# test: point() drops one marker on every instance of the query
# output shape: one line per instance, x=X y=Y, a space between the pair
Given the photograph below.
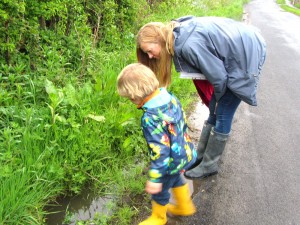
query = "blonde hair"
x=136 y=81
x=157 y=32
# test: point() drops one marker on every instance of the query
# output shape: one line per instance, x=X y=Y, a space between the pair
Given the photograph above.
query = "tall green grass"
x=22 y=195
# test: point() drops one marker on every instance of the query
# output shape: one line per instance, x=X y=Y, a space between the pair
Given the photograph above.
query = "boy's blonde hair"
x=136 y=81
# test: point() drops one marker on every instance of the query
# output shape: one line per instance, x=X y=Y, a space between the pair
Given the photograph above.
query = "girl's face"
x=151 y=49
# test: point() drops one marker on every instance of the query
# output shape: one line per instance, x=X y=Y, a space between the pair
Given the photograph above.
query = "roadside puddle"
x=69 y=210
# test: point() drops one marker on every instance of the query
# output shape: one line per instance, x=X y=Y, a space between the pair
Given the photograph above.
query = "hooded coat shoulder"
x=229 y=53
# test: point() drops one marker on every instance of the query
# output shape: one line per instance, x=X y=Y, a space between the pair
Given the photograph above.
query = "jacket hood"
x=170 y=112
x=183 y=32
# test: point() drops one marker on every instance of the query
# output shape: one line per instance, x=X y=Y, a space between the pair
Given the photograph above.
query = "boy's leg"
x=158 y=215
x=160 y=203
x=184 y=205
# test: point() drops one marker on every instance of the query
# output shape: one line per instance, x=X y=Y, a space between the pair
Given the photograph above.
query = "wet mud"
x=68 y=210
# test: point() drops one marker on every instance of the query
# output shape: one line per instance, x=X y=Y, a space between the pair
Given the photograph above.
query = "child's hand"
x=153 y=188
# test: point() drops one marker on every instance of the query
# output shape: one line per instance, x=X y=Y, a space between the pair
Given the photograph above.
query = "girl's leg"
x=221 y=113
x=160 y=203
x=208 y=124
x=212 y=118
x=224 y=112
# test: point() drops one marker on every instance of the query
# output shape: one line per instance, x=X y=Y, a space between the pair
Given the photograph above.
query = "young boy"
x=170 y=147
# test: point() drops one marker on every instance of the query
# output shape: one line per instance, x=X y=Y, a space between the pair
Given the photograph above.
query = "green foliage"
x=124 y=215
x=22 y=194
x=225 y=8
x=287 y=8
x=171 y=9
x=62 y=34
x=295 y=9
x=280 y=1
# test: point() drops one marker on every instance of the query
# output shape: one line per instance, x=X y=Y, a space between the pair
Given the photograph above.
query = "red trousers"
x=205 y=90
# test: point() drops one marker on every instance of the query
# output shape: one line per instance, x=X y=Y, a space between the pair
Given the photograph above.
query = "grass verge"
x=292 y=9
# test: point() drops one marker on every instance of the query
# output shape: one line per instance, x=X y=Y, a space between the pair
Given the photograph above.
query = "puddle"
x=196 y=120
x=83 y=207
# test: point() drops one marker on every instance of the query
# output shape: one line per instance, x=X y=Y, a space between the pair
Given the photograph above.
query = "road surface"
x=259 y=181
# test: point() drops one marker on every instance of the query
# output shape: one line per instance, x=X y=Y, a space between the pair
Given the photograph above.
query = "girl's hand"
x=153 y=188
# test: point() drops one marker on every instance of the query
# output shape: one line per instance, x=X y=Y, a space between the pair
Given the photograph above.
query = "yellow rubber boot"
x=184 y=205
x=158 y=216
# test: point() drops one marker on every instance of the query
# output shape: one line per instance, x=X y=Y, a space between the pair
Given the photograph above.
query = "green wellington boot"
x=205 y=133
x=209 y=164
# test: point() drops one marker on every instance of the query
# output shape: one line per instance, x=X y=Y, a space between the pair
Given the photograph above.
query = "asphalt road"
x=259 y=181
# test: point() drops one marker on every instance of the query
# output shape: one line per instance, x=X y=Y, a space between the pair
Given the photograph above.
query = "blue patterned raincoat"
x=165 y=130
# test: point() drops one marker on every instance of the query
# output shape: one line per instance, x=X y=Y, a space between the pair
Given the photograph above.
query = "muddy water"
x=86 y=205
x=196 y=120
x=68 y=210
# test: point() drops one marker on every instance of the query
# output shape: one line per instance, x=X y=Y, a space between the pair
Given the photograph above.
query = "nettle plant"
x=91 y=129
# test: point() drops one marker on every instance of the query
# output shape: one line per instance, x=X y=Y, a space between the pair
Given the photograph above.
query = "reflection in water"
x=78 y=208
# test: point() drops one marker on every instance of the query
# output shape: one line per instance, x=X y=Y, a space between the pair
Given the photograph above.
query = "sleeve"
x=158 y=141
x=205 y=59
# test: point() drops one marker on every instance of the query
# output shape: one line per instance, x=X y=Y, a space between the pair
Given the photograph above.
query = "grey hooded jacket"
x=229 y=53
